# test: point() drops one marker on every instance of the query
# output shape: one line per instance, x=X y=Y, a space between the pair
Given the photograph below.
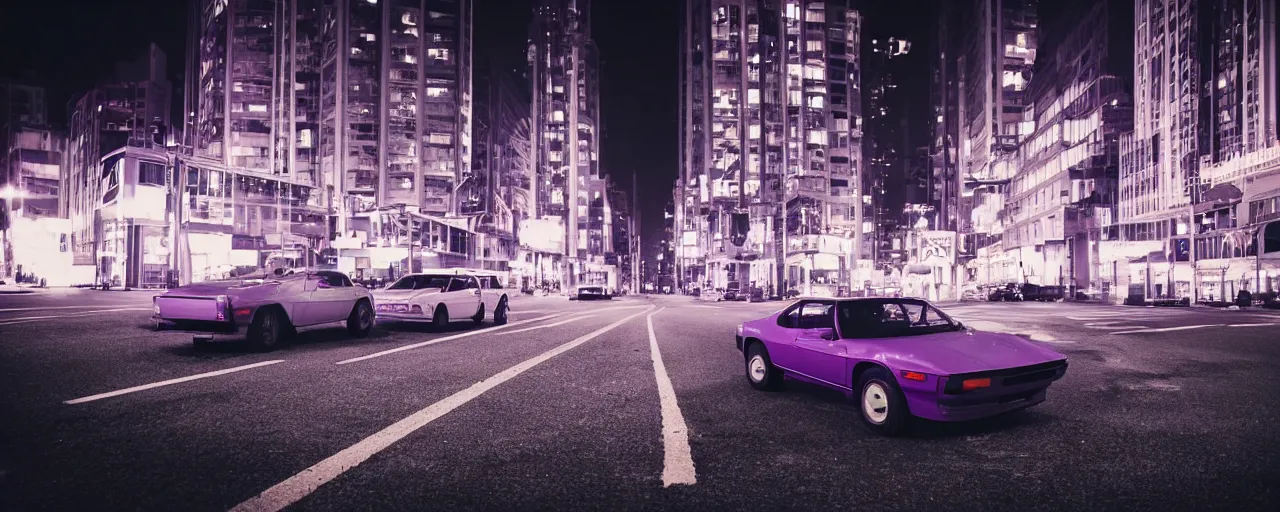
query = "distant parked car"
x=442 y=297
x=898 y=358
x=1005 y=293
x=590 y=292
x=269 y=306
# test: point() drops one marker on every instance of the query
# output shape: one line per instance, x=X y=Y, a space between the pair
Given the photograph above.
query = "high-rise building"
x=1194 y=189
x=1063 y=191
x=985 y=53
x=396 y=101
x=886 y=141
x=499 y=193
x=569 y=187
x=770 y=145
x=131 y=109
x=31 y=152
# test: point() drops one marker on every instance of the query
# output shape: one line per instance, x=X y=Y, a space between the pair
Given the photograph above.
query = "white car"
x=590 y=292
x=268 y=306
x=442 y=297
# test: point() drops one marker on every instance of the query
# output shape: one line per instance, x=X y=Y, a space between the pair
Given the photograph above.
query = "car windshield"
x=891 y=319
x=420 y=282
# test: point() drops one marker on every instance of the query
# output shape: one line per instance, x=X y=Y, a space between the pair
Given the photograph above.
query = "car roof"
x=859 y=299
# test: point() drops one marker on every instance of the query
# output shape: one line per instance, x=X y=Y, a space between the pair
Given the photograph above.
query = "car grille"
x=1011 y=376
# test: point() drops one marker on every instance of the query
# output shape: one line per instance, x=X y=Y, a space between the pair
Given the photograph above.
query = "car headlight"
x=739 y=329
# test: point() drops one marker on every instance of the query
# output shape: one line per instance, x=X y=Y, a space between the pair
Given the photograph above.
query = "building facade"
x=770 y=192
x=1197 y=186
x=569 y=187
x=1063 y=191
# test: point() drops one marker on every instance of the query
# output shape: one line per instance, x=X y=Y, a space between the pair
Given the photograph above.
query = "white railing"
x=1236 y=168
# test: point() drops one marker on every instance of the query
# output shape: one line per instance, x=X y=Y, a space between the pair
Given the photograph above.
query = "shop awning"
x=1220 y=196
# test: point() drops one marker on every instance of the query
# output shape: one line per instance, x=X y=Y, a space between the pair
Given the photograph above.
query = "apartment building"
x=570 y=210
x=770 y=144
x=1063 y=192
x=1197 y=187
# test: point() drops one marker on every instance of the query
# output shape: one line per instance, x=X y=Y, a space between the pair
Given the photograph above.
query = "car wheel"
x=264 y=331
x=880 y=402
x=500 y=312
x=441 y=318
x=479 y=318
x=761 y=372
x=360 y=321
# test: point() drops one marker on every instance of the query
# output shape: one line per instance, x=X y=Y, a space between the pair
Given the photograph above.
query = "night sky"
x=67 y=45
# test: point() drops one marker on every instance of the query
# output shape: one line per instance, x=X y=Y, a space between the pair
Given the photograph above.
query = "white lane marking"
x=705 y=307
x=1168 y=329
x=306 y=482
x=1252 y=325
x=546 y=326
x=526 y=312
x=444 y=339
x=46 y=308
x=6 y=321
x=1112 y=325
x=169 y=382
x=677 y=460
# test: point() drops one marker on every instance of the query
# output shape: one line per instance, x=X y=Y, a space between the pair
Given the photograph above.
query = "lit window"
x=369 y=37
x=436 y=92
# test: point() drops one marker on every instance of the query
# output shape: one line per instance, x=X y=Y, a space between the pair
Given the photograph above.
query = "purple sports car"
x=899 y=358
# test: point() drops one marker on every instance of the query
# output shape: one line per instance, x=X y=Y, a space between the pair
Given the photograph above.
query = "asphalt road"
x=563 y=409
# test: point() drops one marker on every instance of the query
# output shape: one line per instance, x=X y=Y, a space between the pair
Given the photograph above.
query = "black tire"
x=440 y=320
x=761 y=373
x=881 y=405
x=360 y=321
x=479 y=318
x=265 y=330
x=500 y=312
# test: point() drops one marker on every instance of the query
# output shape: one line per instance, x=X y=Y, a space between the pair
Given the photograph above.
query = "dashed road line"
x=677 y=460
x=547 y=326
x=169 y=382
x=20 y=320
x=301 y=485
x=47 y=308
x=444 y=339
x=1168 y=329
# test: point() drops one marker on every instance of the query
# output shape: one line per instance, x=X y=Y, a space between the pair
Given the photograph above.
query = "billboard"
x=936 y=248
x=543 y=235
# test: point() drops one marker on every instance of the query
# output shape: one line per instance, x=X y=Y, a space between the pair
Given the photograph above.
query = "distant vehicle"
x=590 y=292
x=1007 y=293
x=269 y=306
x=733 y=292
x=898 y=358
x=442 y=297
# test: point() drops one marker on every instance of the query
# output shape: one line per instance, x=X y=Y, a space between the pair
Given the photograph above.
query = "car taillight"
x=223 y=305
x=243 y=312
x=972 y=384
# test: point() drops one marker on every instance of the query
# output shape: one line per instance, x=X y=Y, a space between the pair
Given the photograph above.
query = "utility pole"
x=780 y=214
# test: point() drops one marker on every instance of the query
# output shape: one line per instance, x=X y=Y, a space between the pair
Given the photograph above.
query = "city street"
x=578 y=406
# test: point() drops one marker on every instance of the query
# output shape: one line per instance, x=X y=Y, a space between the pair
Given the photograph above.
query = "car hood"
x=395 y=295
x=964 y=352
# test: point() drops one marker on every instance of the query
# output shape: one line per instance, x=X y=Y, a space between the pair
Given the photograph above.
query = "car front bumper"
x=384 y=317
x=1016 y=391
